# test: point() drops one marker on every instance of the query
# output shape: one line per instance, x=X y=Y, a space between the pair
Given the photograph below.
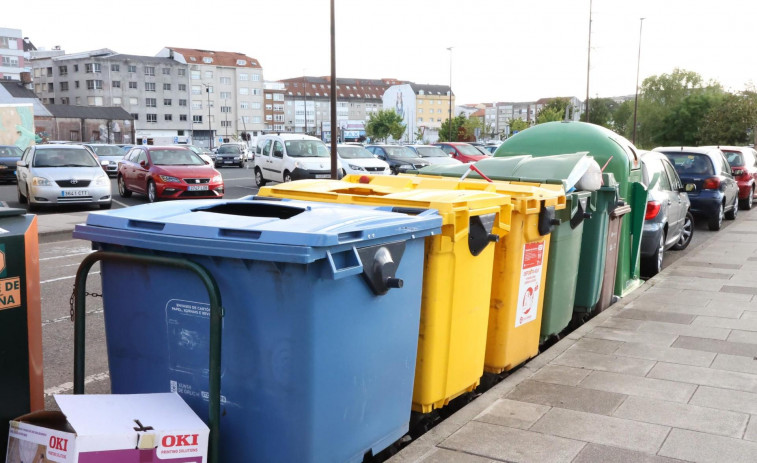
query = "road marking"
x=120 y=203
x=64 y=278
x=65 y=387
x=67 y=255
x=68 y=317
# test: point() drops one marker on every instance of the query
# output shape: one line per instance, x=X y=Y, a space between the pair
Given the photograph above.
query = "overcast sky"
x=503 y=50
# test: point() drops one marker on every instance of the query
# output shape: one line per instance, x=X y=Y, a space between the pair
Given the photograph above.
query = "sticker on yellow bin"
x=530 y=283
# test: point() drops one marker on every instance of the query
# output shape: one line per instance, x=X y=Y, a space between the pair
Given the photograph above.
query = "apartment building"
x=423 y=108
x=273 y=110
x=12 y=61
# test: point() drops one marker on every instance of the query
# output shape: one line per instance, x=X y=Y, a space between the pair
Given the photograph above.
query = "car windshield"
x=108 y=150
x=306 y=149
x=468 y=150
x=691 y=163
x=64 y=158
x=400 y=152
x=229 y=149
x=431 y=152
x=182 y=157
x=10 y=152
x=354 y=152
x=734 y=158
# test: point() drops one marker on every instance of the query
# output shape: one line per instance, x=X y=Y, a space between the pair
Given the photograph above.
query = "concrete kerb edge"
x=54 y=236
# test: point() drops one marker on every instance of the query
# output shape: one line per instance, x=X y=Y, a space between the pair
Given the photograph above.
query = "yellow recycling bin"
x=456 y=276
x=520 y=261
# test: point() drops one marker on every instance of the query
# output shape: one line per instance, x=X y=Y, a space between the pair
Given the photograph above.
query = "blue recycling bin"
x=320 y=330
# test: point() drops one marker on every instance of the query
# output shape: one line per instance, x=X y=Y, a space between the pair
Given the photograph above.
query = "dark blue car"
x=712 y=190
x=9 y=155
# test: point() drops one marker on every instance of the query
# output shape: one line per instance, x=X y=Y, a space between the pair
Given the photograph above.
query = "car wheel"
x=653 y=264
x=122 y=190
x=241 y=164
x=152 y=192
x=30 y=206
x=734 y=212
x=287 y=176
x=21 y=197
x=259 y=180
x=748 y=202
x=687 y=232
x=106 y=206
x=344 y=173
x=716 y=222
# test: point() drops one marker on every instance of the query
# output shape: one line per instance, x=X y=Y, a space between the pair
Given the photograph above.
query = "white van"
x=288 y=156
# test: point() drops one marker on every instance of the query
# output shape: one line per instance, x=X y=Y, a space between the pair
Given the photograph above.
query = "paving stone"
x=657 y=339
x=512 y=413
x=599 y=429
x=560 y=395
x=510 y=444
x=730 y=323
x=717 y=346
x=686 y=330
x=639 y=386
x=743 y=336
x=701 y=274
x=735 y=363
x=699 y=264
x=594 y=453
x=684 y=416
x=719 y=297
x=621 y=324
x=706 y=448
x=749 y=315
x=705 y=376
x=687 y=283
x=725 y=399
x=450 y=456
x=602 y=346
x=665 y=296
x=752 y=290
x=594 y=361
x=751 y=429
x=667 y=317
x=559 y=374
x=666 y=354
x=711 y=311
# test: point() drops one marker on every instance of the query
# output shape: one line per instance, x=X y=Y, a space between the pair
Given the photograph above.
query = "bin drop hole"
x=254 y=209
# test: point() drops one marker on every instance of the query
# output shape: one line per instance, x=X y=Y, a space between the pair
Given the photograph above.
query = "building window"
x=74 y=135
x=92 y=67
x=225 y=109
x=166 y=102
x=182 y=102
x=268 y=117
x=152 y=118
x=149 y=70
x=166 y=71
x=244 y=76
x=241 y=62
x=226 y=95
x=195 y=75
x=196 y=90
x=256 y=119
x=64 y=86
x=76 y=68
x=116 y=84
x=183 y=117
x=151 y=102
x=196 y=104
x=168 y=117
x=133 y=101
x=278 y=97
x=225 y=80
x=268 y=96
x=256 y=77
x=63 y=70
x=182 y=87
x=132 y=68
x=197 y=119
x=420 y=119
x=244 y=91
x=246 y=119
x=208 y=74
x=244 y=105
x=207 y=60
x=116 y=101
x=181 y=72
x=225 y=123
x=256 y=91
x=95 y=100
x=166 y=86
x=149 y=86
x=256 y=105
x=268 y=107
x=115 y=67
x=94 y=85
x=133 y=85
x=64 y=100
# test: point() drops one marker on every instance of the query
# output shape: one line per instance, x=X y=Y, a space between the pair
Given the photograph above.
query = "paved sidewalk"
x=58 y=227
x=667 y=374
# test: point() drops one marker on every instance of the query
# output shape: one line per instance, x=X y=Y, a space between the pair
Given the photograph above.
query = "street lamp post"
x=210 y=128
x=636 y=97
x=225 y=108
x=449 y=120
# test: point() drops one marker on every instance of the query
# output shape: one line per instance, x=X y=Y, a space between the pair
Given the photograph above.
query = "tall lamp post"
x=449 y=120
x=210 y=128
x=588 y=65
x=636 y=97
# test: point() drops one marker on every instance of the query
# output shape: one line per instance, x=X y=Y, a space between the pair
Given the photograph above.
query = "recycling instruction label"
x=530 y=283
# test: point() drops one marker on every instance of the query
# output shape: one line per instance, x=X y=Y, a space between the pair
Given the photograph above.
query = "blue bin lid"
x=282 y=231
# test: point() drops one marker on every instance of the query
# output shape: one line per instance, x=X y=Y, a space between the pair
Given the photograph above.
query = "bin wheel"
x=122 y=190
x=687 y=232
x=21 y=197
x=259 y=180
x=152 y=192
x=716 y=222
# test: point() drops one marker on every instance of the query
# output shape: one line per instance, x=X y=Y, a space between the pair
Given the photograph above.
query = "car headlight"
x=216 y=179
x=405 y=167
x=168 y=179
x=354 y=167
x=237 y=158
x=41 y=181
x=101 y=181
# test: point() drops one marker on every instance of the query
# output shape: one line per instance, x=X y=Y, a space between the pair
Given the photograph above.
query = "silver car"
x=108 y=155
x=51 y=175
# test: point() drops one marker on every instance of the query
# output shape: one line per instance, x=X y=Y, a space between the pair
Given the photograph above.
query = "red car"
x=167 y=172
x=743 y=161
x=463 y=152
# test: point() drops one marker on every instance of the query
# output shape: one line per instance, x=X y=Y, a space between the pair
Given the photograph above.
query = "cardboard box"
x=127 y=428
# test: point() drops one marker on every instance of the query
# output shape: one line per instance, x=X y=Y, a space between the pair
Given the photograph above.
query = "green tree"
x=457 y=132
x=622 y=118
x=384 y=123
x=681 y=126
x=601 y=112
x=557 y=105
x=549 y=115
x=517 y=125
x=732 y=121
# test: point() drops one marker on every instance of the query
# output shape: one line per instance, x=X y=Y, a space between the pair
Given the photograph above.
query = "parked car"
x=206 y=155
x=712 y=190
x=434 y=155
x=491 y=149
x=400 y=158
x=743 y=161
x=289 y=156
x=668 y=223
x=168 y=172
x=9 y=156
x=109 y=156
x=463 y=152
x=51 y=175
x=355 y=159
x=125 y=148
x=229 y=154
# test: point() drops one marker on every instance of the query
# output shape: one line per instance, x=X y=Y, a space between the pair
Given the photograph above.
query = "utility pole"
x=210 y=127
x=226 y=108
x=636 y=97
x=334 y=174
x=588 y=66
x=449 y=121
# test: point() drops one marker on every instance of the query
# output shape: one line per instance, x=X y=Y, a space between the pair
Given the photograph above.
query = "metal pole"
x=449 y=120
x=225 y=102
x=334 y=174
x=216 y=315
x=636 y=97
x=588 y=65
x=210 y=128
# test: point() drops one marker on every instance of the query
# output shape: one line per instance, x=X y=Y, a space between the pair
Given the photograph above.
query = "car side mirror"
x=143 y=163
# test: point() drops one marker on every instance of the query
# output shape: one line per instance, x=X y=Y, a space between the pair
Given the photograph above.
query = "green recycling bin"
x=615 y=155
x=565 y=247
x=21 y=382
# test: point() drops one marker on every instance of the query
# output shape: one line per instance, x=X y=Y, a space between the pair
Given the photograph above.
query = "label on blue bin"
x=188 y=325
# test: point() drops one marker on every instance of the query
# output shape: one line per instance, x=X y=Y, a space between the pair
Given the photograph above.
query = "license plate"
x=197 y=187
x=67 y=193
x=228 y=162
x=322 y=175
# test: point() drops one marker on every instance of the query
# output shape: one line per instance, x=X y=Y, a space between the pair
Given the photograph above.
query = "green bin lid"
x=11 y=211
